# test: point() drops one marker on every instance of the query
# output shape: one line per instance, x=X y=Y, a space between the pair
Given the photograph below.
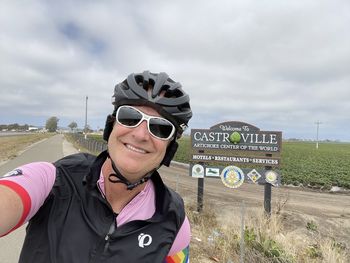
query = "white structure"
x=33 y=129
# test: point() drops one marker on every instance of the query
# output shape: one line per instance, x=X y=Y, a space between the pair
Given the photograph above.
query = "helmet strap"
x=170 y=152
x=108 y=127
x=117 y=177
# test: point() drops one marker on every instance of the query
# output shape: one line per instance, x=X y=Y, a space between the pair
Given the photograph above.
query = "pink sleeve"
x=182 y=239
x=33 y=183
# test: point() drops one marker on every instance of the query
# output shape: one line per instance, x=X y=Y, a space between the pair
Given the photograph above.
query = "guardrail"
x=92 y=145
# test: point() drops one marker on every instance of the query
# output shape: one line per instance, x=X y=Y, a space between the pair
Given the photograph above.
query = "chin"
x=132 y=167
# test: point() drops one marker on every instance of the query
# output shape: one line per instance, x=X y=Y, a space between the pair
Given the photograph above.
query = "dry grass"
x=216 y=238
x=10 y=146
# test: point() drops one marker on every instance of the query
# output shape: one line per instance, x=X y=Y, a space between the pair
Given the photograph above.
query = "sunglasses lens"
x=160 y=128
x=129 y=116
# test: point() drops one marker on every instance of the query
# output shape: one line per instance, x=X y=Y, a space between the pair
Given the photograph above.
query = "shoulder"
x=171 y=202
x=73 y=168
x=75 y=159
x=176 y=198
x=168 y=197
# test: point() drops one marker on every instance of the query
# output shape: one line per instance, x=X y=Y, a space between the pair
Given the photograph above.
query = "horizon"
x=186 y=133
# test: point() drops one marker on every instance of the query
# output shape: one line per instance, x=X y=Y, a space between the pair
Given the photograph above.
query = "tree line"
x=14 y=126
x=51 y=125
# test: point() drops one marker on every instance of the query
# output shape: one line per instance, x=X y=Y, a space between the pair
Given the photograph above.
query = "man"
x=114 y=207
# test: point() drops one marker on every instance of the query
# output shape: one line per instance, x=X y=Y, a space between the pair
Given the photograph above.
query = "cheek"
x=119 y=130
x=161 y=147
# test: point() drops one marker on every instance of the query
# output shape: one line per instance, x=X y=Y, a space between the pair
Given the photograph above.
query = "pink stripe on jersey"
x=37 y=179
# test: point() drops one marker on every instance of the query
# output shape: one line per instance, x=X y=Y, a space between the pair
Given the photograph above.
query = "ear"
x=170 y=152
x=108 y=127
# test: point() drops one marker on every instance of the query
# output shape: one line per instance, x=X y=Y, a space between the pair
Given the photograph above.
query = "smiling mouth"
x=134 y=149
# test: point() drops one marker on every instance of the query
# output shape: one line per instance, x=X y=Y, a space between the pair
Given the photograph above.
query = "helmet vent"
x=139 y=80
x=124 y=85
x=170 y=93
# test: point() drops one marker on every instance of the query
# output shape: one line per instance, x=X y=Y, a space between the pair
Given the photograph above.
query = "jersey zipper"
x=108 y=236
x=112 y=227
x=104 y=245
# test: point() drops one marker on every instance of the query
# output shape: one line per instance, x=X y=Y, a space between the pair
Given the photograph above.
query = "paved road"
x=48 y=150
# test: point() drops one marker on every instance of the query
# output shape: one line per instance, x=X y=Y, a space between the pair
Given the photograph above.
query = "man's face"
x=134 y=150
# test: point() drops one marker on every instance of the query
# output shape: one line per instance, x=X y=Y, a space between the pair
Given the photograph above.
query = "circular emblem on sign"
x=197 y=171
x=271 y=177
x=232 y=176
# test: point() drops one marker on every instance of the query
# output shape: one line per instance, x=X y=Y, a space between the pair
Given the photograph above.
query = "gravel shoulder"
x=330 y=212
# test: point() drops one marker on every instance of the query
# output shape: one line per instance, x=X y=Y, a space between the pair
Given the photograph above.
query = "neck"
x=117 y=194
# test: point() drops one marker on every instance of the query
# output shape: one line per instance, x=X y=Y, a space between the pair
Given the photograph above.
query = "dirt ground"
x=329 y=213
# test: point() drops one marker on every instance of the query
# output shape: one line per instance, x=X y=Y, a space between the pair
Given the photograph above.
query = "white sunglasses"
x=132 y=117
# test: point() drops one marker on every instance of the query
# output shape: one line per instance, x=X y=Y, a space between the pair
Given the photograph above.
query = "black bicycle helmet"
x=158 y=91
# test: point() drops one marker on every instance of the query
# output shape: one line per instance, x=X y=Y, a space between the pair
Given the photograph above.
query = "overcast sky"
x=278 y=65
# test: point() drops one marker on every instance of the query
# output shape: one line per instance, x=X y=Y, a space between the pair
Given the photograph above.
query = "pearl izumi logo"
x=144 y=240
x=15 y=172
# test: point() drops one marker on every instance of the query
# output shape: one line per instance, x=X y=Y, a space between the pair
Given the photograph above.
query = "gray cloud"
x=277 y=65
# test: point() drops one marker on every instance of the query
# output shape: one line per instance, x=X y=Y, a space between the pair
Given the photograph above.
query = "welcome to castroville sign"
x=236 y=152
x=222 y=141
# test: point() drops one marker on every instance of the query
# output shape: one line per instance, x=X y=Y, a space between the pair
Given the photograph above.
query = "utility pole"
x=85 y=128
x=318 y=124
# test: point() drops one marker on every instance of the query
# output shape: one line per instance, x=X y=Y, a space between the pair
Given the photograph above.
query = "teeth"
x=130 y=147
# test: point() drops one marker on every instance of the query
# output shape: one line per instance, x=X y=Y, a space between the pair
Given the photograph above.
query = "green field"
x=328 y=165
x=302 y=163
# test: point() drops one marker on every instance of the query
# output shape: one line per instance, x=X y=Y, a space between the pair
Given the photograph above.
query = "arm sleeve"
x=33 y=183
x=179 y=251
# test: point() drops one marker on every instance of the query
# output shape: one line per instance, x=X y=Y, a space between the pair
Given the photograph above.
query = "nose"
x=141 y=132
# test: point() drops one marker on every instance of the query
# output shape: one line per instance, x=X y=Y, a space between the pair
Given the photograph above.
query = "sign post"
x=217 y=152
x=200 y=195
x=267 y=193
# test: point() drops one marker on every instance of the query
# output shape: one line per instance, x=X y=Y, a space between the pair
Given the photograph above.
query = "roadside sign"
x=236 y=136
x=236 y=144
x=259 y=176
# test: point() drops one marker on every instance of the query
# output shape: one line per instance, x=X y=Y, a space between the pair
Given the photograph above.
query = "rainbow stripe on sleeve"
x=180 y=257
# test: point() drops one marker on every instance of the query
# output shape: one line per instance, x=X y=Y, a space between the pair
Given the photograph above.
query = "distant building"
x=32 y=128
